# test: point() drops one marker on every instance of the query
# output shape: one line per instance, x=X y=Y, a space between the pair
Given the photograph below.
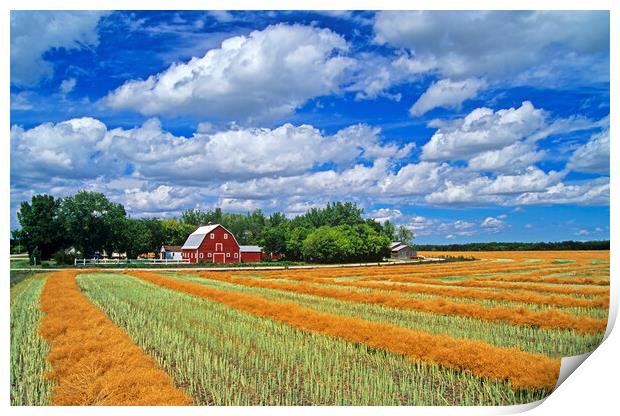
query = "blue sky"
x=463 y=126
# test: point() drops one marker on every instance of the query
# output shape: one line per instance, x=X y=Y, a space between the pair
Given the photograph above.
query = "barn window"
x=212 y=236
x=208 y=254
x=225 y=236
x=202 y=255
x=227 y=254
x=236 y=255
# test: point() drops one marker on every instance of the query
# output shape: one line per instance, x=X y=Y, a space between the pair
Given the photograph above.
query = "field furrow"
x=521 y=369
x=93 y=361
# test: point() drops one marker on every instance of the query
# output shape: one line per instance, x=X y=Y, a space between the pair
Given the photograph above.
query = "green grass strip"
x=29 y=387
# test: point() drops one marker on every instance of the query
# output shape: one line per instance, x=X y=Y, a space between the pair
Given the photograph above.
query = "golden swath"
x=93 y=361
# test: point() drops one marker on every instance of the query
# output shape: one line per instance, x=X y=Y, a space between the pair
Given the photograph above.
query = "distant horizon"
x=422 y=118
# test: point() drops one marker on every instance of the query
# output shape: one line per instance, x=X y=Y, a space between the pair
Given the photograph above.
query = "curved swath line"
x=471 y=272
x=546 y=274
x=474 y=282
x=533 y=287
x=521 y=369
x=595 y=281
x=449 y=290
x=93 y=361
x=493 y=284
x=404 y=272
x=549 y=319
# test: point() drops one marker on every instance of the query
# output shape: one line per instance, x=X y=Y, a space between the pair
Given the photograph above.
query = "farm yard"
x=484 y=332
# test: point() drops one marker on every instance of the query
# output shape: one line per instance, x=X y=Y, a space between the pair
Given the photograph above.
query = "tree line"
x=538 y=246
x=90 y=223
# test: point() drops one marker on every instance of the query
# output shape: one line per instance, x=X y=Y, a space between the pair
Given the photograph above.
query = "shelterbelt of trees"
x=539 y=246
x=90 y=223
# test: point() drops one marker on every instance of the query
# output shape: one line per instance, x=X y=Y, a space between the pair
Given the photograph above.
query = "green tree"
x=175 y=232
x=156 y=234
x=295 y=241
x=346 y=243
x=276 y=219
x=41 y=226
x=334 y=213
x=137 y=237
x=404 y=235
x=389 y=230
x=325 y=245
x=195 y=217
x=92 y=222
x=274 y=239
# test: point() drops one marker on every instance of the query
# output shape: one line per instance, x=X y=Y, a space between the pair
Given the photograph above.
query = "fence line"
x=84 y=262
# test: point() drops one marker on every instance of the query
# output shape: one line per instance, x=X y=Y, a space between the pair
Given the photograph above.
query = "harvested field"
x=522 y=370
x=484 y=332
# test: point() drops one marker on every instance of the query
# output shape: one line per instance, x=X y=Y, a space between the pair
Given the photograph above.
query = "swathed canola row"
x=93 y=361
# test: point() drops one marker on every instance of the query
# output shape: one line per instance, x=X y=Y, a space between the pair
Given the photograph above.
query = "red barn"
x=250 y=254
x=214 y=243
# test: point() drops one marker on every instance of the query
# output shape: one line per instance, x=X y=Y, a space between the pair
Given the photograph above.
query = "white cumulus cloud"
x=67 y=85
x=592 y=157
x=483 y=130
x=492 y=224
x=385 y=214
x=593 y=192
x=515 y=157
x=87 y=148
x=35 y=32
x=263 y=76
x=500 y=44
x=447 y=94
x=73 y=148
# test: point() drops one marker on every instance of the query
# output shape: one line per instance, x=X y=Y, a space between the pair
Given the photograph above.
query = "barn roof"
x=195 y=239
x=399 y=246
x=171 y=248
x=250 y=249
x=395 y=243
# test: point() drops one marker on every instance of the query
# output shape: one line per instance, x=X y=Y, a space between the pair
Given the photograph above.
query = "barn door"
x=219 y=258
x=219 y=247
